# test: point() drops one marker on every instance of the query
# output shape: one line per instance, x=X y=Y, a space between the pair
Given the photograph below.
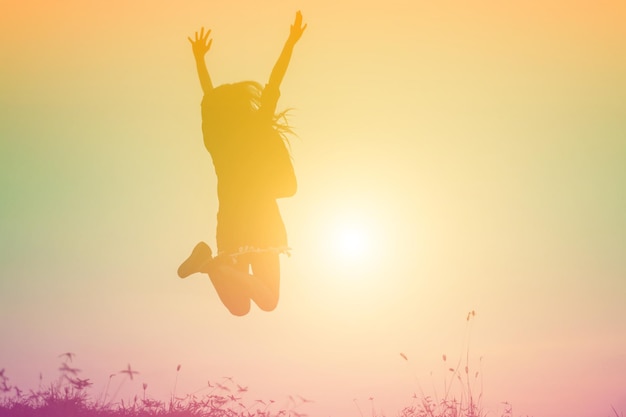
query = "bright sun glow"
x=352 y=241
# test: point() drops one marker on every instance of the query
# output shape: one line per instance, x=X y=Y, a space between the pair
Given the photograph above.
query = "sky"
x=451 y=156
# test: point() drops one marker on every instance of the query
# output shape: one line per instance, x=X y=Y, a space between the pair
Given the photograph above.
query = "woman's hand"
x=297 y=29
x=200 y=46
x=201 y=43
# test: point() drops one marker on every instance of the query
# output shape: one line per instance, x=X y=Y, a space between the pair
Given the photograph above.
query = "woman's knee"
x=238 y=309
x=268 y=304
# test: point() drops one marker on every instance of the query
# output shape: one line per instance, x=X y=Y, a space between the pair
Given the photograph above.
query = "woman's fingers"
x=201 y=38
x=297 y=29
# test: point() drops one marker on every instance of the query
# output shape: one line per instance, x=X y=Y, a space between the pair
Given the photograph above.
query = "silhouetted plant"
x=68 y=397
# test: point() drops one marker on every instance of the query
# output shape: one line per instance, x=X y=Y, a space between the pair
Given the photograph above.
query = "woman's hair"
x=235 y=107
x=249 y=147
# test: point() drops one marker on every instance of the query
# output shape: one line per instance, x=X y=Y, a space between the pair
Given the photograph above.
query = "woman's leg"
x=232 y=292
x=262 y=286
x=235 y=286
x=266 y=275
x=232 y=289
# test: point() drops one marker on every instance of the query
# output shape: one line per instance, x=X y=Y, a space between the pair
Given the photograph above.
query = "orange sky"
x=474 y=148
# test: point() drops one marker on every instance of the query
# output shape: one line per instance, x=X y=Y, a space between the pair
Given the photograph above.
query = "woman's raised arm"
x=280 y=68
x=200 y=45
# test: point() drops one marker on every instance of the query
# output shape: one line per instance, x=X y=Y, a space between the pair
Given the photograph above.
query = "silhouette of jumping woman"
x=245 y=138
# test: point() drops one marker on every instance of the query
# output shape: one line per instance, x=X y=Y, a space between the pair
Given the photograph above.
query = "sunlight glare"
x=351 y=241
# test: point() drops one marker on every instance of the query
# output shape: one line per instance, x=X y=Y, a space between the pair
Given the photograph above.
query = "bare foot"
x=196 y=262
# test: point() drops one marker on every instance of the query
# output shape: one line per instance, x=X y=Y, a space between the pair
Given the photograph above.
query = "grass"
x=68 y=396
x=462 y=389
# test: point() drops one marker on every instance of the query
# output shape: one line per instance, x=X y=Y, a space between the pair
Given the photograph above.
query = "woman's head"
x=232 y=110
x=232 y=105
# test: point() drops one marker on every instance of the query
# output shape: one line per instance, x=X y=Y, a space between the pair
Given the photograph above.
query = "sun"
x=349 y=253
x=351 y=237
x=351 y=241
x=348 y=240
